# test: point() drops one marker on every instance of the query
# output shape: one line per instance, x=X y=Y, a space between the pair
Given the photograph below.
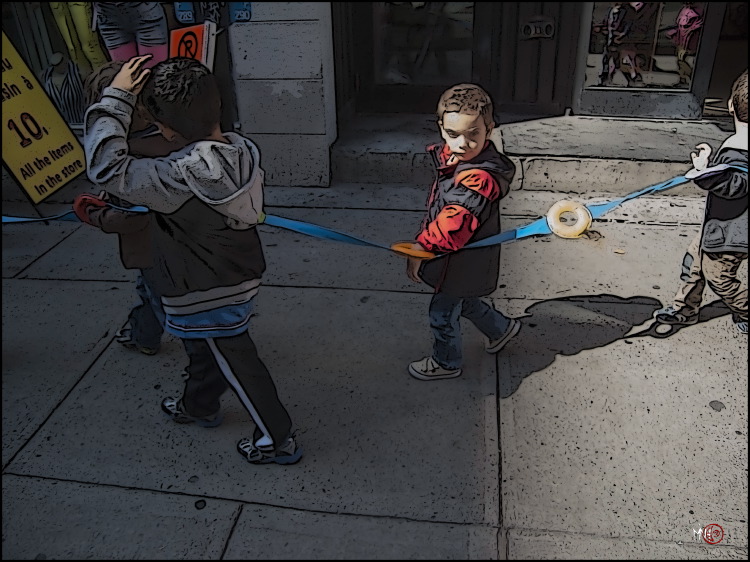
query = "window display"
x=644 y=44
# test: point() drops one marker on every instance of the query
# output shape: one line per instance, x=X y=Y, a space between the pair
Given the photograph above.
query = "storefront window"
x=643 y=45
x=423 y=43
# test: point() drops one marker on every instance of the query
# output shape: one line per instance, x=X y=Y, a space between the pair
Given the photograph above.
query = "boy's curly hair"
x=466 y=98
x=100 y=79
x=739 y=97
x=184 y=95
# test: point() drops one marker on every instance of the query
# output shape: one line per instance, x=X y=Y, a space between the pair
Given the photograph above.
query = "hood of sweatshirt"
x=226 y=176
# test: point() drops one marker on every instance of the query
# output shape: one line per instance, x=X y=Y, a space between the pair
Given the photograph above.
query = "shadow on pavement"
x=569 y=325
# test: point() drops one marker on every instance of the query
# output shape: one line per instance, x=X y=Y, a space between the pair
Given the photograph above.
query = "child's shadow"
x=569 y=325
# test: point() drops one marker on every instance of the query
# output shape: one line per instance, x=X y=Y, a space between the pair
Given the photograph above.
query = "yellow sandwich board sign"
x=39 y=148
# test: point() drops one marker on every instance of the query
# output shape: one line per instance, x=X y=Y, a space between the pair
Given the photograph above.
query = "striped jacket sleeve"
x=458 y=220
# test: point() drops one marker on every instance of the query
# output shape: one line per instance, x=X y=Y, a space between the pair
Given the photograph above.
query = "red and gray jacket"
x=463 y=207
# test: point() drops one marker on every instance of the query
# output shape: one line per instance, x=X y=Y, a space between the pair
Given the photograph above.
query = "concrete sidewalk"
x=589 y=436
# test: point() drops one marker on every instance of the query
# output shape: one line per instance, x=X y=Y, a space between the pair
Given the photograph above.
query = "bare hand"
x=700 y=160
x=132 y=75
x=412 y=269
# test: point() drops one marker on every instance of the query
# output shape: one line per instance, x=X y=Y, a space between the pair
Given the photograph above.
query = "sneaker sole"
x=283 y=459
x=675 y=322
x=416 y=374
x=509 y=336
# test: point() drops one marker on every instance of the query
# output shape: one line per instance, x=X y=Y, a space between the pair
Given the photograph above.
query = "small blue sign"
x=184 y=12
x=240 y=12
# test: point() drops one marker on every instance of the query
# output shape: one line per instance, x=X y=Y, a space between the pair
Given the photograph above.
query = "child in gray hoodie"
x=208 y=199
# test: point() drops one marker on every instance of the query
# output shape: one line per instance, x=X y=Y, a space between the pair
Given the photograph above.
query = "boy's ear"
x=730 y=106
x=167 y=132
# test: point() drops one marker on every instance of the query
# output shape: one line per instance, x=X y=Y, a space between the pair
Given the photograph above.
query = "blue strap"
x=536 y=228
x=319 y=231
x=70 y=215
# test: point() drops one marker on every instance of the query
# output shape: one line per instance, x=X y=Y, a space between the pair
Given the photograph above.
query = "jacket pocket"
x=714 y=234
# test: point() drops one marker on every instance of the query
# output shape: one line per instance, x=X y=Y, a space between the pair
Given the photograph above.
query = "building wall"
x=284 y=83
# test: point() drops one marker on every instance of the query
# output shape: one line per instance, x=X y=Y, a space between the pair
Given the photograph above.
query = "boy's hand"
x=82 y=203
x=132 y=75
x=700 y=160
x=412 y=269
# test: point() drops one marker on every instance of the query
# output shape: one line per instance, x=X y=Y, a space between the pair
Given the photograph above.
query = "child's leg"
x=445 y=313
x=721 y=273
x=492 y=323
x=205 y=381
x=145 y=323
x=238 y=359
x=690 y=294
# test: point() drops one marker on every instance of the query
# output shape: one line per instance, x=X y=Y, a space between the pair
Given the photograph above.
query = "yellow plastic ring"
x=405 y=249
x=583 y=219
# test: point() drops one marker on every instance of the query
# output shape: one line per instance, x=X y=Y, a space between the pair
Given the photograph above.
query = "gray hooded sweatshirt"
x=207 y=199
x=725 y=221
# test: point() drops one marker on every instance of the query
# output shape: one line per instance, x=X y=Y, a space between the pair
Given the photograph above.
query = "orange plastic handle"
x=405 y=249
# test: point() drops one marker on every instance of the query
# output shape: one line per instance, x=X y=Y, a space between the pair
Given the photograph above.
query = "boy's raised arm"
x=154 y=182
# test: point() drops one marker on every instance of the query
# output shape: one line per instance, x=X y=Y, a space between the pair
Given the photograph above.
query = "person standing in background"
x=131 y=29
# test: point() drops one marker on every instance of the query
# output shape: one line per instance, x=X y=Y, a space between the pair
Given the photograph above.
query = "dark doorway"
x=398 y=57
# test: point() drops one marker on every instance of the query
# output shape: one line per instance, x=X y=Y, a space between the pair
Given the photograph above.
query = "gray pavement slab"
x=87 y=254
x=58 y=520
x=298 y=535
x=377 y=441
x=52 y=333
x=24 y=243
x=531 y=545
x=609 y=434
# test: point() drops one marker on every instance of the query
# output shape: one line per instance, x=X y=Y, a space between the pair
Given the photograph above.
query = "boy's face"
x=464 y=133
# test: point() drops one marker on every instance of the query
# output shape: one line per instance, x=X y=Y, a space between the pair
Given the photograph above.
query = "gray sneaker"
x=428 y=369
x=742 y=326
x=671 y=315
x=493 y=346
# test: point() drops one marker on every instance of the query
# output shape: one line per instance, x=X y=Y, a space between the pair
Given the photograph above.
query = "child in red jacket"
x=463 y=207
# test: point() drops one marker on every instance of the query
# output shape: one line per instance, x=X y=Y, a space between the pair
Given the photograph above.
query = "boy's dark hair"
x=183 y=94
x=466 y=98
x=739 y=97
x=100 y=79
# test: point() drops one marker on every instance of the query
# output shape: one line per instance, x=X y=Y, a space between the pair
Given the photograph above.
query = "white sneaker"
x=493 y=346
x=427 y=369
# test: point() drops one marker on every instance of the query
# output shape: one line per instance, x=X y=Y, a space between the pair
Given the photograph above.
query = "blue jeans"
x=445 y=316
x=147 y=319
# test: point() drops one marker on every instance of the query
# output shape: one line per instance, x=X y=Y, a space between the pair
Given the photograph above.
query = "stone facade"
x=282 y=65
